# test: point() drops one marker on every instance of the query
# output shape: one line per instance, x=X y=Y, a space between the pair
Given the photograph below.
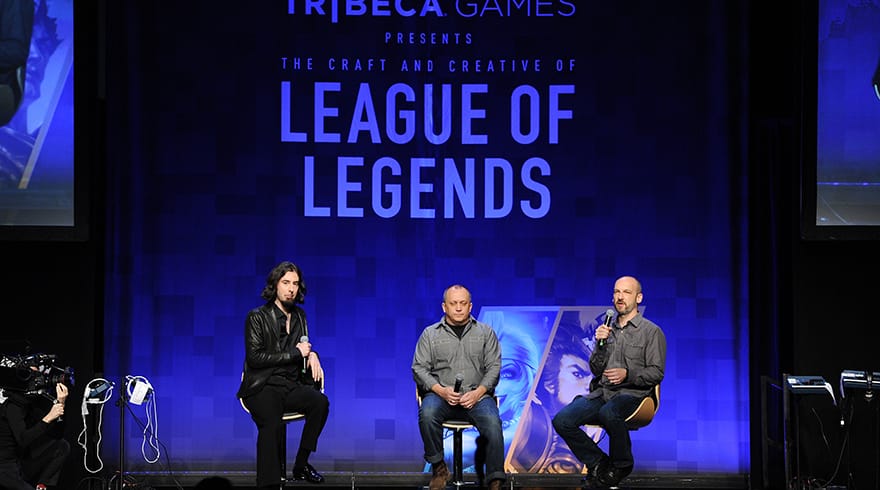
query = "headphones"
x=97 y=391
x=138 y=389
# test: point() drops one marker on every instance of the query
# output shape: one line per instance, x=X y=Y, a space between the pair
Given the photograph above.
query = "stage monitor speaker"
x=861 y=418
x=813 y=435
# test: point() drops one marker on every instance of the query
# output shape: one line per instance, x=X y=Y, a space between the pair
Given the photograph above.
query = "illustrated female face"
x=574 y=378
x=513 y=387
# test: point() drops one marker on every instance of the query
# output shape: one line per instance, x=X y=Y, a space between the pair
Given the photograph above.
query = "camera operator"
x=32 y=447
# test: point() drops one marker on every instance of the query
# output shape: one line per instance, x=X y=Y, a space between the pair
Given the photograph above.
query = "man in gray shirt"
x=629 y=360
x=458 y=347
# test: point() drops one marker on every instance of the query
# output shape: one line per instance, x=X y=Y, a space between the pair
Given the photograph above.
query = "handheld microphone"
x=876 y=82
x=609 y=314
x=304 y=340
x=458 y=379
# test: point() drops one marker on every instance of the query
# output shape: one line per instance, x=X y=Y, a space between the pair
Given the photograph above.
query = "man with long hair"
x=282 y=373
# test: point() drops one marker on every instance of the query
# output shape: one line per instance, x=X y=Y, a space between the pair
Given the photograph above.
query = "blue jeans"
x=484 y=415
x=610 y=415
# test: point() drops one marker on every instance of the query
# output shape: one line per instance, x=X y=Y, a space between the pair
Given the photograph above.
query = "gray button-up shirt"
x=640 y=347
x=440 y=355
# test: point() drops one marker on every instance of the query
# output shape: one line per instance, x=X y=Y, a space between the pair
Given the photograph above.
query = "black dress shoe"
x=612 y=476
x=594 y=471
x=597 y=469
x=308 y=474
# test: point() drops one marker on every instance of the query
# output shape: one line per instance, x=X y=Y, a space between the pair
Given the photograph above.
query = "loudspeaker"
x=814 y=437
x=862 y=427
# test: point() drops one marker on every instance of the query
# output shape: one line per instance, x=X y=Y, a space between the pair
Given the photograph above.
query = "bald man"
x=459 y=345
x=628 y=361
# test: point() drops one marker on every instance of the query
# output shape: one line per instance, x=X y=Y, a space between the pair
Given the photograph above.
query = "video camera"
x=33 y=374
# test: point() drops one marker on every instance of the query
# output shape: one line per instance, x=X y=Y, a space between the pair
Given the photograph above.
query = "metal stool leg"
x=457 y=465
x=282 y=450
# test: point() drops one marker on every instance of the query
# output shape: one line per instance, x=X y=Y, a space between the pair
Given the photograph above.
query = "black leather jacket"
x=263 y=348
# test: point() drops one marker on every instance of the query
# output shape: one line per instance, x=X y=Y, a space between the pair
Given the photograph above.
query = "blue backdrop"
x=243 y=137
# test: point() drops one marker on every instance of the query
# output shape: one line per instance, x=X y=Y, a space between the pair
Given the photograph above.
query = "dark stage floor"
x=418 y=481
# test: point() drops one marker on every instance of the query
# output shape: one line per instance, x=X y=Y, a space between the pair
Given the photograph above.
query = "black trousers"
x=43 y=465
x=46 y=461
x=266 y=407
x=11 y=477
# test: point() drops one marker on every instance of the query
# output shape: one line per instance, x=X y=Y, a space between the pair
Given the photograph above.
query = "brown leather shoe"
x=440 y=476
x=495 y=485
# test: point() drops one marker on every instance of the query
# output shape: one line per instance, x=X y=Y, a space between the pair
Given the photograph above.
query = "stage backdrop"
x=533 y=151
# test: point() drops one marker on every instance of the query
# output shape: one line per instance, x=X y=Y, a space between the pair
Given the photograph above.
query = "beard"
x=288 y=304
x=624 y=309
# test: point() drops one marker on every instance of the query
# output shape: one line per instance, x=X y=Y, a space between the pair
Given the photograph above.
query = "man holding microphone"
x=629 y=360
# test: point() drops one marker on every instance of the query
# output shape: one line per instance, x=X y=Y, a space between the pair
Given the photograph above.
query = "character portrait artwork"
x=36 y=143
x=564 y=374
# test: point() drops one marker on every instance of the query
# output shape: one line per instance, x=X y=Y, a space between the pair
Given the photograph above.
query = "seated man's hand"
x=615 y=375
x=315 y=367
x=305 y=348
x=448 y=393
x=469 y=399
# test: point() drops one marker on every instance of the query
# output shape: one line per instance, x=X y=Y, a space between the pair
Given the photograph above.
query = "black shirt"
x=284 y=375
